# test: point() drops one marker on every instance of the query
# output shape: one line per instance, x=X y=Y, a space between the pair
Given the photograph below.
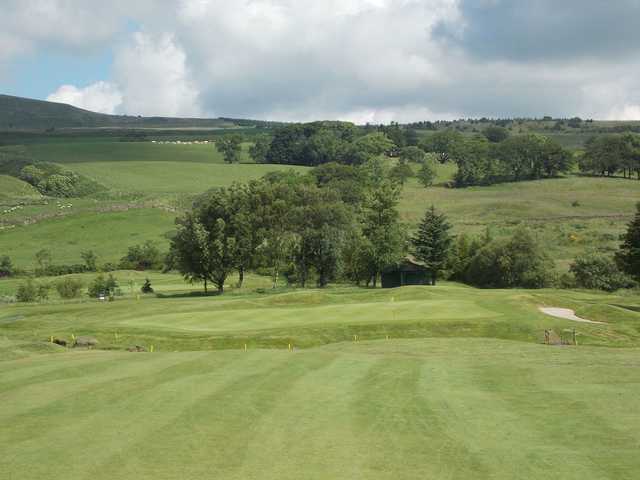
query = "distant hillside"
x=18 y=113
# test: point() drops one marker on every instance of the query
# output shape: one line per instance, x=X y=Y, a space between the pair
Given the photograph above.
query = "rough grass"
x=86 y=152
x=109 y=234
x=568 y=215
x=157 y=178
x=11 y=188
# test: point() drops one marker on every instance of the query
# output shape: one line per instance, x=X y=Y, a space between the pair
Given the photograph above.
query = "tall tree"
x=432 y=242
x=230 y=147
x=381 y=228
x=43 y=259
x=628 y=257
x=189 y=252
x=245 y=226
x=258 y=151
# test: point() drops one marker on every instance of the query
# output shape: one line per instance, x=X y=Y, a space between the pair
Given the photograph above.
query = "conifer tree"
x=432 y=242
x=628 y=257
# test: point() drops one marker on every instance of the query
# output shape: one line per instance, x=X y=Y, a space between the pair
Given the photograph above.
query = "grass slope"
x=87 y=152
x=11 y=188
x=306 y=318
x=433 y=408
x=157 y=178
x=569 y=215
x=26 y=113
x=109 y=234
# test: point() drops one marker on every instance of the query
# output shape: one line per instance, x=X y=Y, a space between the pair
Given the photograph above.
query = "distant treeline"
x=482 y=159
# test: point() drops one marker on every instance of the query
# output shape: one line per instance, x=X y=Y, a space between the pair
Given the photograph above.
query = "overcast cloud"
x=360 y=60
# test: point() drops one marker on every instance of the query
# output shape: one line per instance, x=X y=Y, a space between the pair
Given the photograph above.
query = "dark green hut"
x=407 y=272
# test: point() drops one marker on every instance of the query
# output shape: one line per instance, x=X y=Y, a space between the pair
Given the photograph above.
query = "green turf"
x=432 y=408
x=442 y=382
x=178 y=321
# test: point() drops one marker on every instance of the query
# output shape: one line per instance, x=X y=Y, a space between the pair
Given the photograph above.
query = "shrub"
x=69 y=287
x=108 y=267
x=401 y=172
x=412 y=154
x=103 y=286
x=90 y=260
x=27 y=291
x=142 y=257
x=427 y=173
x=146 y=288
x=6 y=266
x=42 y=291
x=32 y=175
x=515 y=262
x=599 y=272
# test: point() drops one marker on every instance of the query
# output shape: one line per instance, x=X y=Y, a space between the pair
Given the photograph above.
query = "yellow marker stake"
x=51 y=339
x=73 y=337
x=245 y=347
x=151 y=349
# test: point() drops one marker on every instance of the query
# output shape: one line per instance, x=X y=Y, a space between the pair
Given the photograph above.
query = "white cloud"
x=66 y=25
x=365 y=60
x=625 y=112
x=100 y=97
x=154 y=78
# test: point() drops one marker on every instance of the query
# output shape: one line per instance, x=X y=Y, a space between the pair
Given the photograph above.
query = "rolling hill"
x=17 y=113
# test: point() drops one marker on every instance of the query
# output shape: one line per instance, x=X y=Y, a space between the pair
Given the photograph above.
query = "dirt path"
x=567 y=314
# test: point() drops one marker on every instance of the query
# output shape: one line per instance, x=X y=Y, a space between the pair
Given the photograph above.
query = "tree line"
x=611 y=154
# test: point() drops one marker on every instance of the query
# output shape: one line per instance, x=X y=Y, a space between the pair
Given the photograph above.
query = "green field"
x=11 y=187
x=86 y=152
x=108 y=233
x=461 y=388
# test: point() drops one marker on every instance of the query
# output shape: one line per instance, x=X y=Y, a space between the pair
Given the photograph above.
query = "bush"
x=146 y=288
x=427 y=173
x=515 y=262
x=401 y=172
x=412 y=154
x=59 y=270
x=90 y=260
x=142 y=257
x=27 y=291
x=69 y=287
x=42 y=291
x=6 y=266
x=103 y=286
x=599 y=272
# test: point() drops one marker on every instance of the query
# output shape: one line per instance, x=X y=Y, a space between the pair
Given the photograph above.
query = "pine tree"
x=628 y=257
x=432 y=242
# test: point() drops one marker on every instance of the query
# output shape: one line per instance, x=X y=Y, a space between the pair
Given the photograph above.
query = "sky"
x=300 y=60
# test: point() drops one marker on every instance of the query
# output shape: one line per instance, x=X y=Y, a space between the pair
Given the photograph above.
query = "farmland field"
x=461 y=388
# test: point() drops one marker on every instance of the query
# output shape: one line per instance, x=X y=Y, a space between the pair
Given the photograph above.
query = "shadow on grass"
x=188 y=295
